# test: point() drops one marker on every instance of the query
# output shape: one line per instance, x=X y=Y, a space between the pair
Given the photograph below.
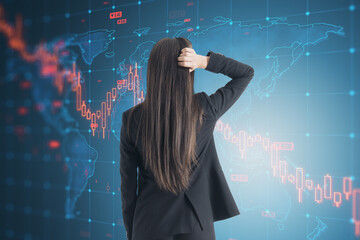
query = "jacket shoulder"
x=207 y=104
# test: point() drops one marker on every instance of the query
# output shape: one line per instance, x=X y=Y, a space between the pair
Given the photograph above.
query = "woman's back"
x=155 y=214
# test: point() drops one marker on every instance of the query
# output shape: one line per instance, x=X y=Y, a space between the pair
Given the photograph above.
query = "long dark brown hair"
x=170 y=115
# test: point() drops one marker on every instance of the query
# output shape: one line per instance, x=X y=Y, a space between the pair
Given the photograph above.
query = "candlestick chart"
x=289 y=147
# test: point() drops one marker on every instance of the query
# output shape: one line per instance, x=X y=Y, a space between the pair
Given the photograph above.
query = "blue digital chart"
x=289 y=147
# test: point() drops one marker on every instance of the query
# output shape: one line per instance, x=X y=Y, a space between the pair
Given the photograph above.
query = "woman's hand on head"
x=189 y=58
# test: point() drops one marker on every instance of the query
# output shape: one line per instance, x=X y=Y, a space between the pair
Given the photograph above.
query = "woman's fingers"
x=185 y=64
x=185 y=58
x=188 y=52
x=187 y=49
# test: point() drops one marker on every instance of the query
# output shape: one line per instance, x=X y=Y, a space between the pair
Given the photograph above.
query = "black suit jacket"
x=152 y=213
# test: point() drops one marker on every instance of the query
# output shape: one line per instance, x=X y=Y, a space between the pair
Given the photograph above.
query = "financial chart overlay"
x=289 y=147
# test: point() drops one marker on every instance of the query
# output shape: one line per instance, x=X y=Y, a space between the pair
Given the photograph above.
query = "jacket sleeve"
x=128 y=175
x=226 y=96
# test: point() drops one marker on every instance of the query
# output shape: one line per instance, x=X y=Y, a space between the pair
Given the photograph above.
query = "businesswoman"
x=180 y=189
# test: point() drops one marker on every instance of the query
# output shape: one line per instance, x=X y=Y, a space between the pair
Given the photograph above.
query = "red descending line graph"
x=280 y=170
x=99 y=118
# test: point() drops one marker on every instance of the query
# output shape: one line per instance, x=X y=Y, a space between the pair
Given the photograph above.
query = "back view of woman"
x=180 y=190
